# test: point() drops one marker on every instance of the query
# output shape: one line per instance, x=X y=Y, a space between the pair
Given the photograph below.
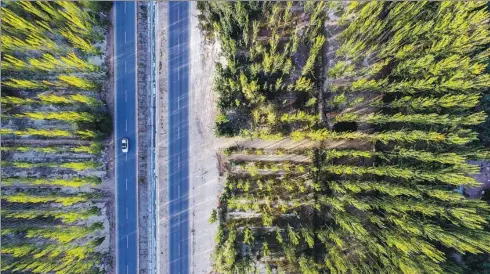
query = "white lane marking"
x=126 y=183
x=178 y=50
x=124 y=65
x=126 y=125
x=127 y=269
x=125 y=95
x=125 y=40
x=127 y=242
x=124 y=7
x=126 y=213
x=178 y=161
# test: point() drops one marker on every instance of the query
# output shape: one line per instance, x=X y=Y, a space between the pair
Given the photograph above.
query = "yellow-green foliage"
x=69 y=116
x=94 y=148
x=69 y=99
x=73 y=182
x=315 y=50
x=91 y=101
x=51 y=99
x=13 y=22
x=404 y=84
x=67 y=217
x=32 y=42
x=75 y=81
x=79 y=42
x=37 y=132
x=72 y=255
x=425 y=119
x=78 y=20
x=16 y=100
x=27 y=198
x=84 y=134
x=49 y=63
x=60 y=234
x=78 y=166
x=26 y=149
x=87 y=134
x=26 y=84
x=46 y=49
x=459 y=138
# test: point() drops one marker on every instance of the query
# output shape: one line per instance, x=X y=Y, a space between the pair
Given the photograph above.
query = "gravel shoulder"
x=144 y=128
x=161 y=137
x=205 y=183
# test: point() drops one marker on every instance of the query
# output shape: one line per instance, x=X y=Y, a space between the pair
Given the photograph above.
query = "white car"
x=125 y=145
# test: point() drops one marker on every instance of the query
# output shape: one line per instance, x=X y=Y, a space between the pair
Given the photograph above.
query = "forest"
x=55 y=128
x=392 y=100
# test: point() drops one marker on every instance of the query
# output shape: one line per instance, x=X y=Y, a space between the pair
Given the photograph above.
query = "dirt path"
x=108 y=184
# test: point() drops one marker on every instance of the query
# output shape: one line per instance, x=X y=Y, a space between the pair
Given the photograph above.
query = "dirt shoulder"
x=205 y=184
x=161 y=137
x=109 y=182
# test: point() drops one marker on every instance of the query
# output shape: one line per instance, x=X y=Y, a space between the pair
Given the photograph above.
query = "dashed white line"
x=127 y=213
x=127 y=242
x=126 y=183
x=125 y=63
x=125 y=95
x=126 y=125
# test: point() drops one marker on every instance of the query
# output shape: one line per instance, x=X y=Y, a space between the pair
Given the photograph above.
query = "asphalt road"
x=125 y=127
x=178 y=110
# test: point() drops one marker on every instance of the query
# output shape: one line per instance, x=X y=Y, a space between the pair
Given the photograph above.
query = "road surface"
x=125 y=127
x=178 y=110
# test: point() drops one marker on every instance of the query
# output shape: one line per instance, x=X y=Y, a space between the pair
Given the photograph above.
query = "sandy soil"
x=204 y=180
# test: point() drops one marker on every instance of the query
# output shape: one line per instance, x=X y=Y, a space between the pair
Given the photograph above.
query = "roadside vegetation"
x=391 y=94
x=54 y=128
